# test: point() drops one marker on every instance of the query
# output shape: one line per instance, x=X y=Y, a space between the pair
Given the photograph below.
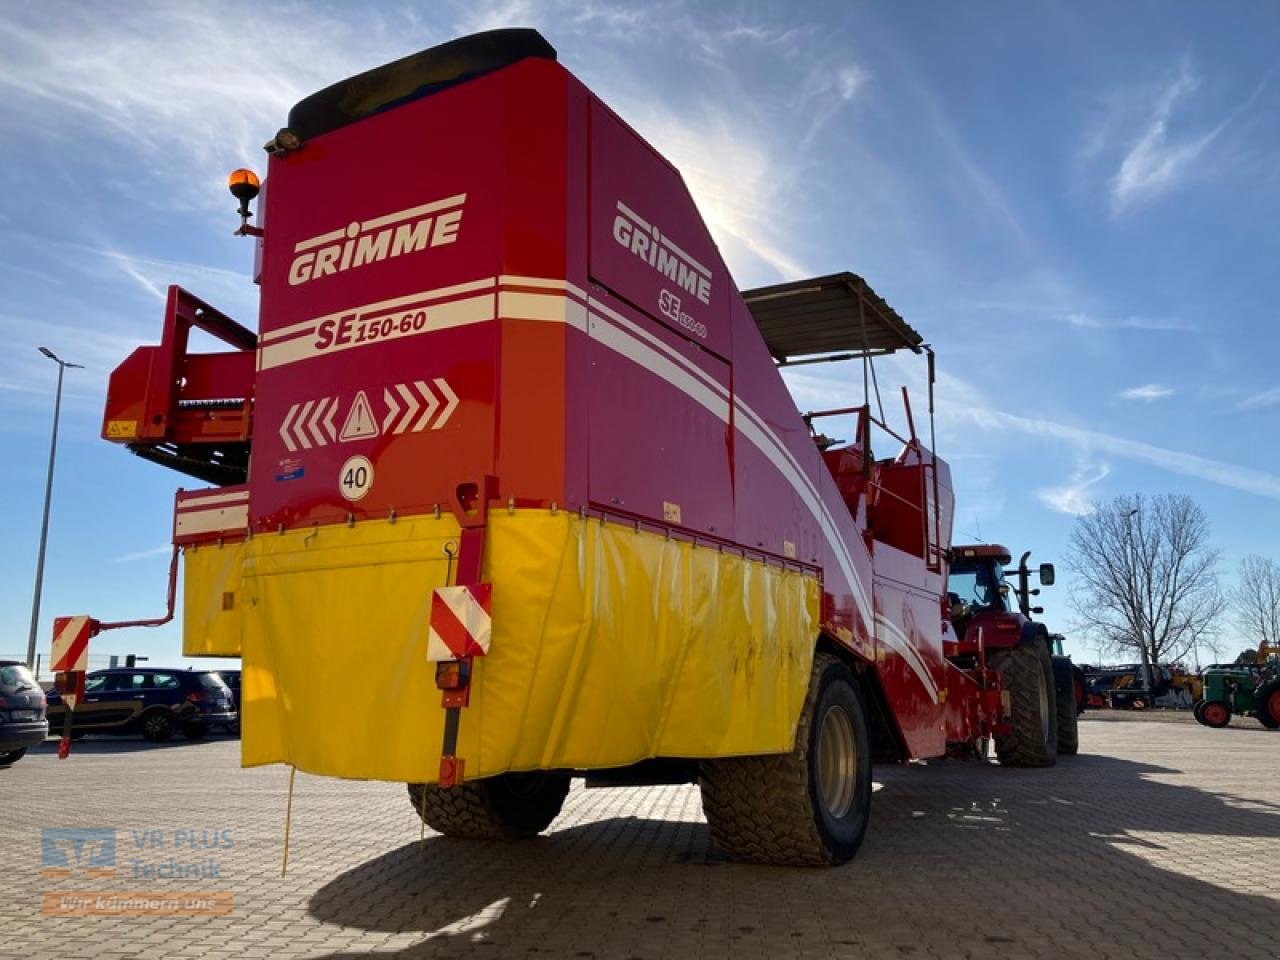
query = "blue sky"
x=1076 y=203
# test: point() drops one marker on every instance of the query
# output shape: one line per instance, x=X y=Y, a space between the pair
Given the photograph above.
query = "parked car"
x=22 y=712
x=153 y=701
x=232 y=679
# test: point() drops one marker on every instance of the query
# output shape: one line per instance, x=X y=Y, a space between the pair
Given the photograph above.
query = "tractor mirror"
x=1046 y=574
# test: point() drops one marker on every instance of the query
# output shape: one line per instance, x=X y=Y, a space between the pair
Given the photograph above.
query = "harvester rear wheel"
x=1027 y=674
x=1268 y=700
x=806 y=808
x=1068 y=727
x=511 y=806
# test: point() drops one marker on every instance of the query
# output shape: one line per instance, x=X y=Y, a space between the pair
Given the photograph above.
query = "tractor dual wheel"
x=806 y=808
x=1026 y=672
x=511 y=806
x=1268 y=701
x=1213 y=713
x=1068 y=727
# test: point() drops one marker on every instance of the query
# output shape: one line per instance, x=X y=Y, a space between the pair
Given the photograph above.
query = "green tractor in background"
x=1249 y=689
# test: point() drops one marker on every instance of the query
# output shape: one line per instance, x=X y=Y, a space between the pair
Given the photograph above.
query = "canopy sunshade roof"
x=839 y=313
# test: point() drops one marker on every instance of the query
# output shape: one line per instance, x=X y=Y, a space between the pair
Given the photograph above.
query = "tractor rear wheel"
x=1068 y=727
x=1268 y=701
x=1026 y=672
x=806 y=808
x=511 y=806
x=1214 y=713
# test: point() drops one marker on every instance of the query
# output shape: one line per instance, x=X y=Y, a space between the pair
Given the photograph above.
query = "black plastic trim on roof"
x=415 y=76
x=838 y=313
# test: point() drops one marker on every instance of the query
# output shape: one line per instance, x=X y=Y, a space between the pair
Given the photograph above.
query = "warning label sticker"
x=360 y=422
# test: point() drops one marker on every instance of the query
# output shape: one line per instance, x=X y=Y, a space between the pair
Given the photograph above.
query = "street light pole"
x=48 y=493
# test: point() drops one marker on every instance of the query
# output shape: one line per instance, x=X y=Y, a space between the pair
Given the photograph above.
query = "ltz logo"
x=405 y=231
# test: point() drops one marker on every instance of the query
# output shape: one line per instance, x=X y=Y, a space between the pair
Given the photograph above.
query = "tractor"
x=994 y=616
x=1248 y=689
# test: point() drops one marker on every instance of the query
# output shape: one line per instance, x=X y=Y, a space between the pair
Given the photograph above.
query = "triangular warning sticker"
x=359 y=423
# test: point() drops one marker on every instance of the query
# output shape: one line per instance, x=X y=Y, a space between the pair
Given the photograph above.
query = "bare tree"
x=1256 y=600
x=1149 y=578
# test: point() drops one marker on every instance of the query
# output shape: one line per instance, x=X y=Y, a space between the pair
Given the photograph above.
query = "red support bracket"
x=470 y=505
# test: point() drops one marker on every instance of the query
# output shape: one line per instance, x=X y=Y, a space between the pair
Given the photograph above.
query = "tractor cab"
x=980 y=597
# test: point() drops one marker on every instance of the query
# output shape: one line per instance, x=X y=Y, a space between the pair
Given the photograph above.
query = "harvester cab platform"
x=509 y=440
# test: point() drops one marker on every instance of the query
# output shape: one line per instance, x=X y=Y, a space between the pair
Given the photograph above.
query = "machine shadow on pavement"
x=1046 y=858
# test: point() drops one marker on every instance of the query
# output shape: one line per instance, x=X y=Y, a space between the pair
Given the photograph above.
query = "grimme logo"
x=646 y=241
x=392 y=235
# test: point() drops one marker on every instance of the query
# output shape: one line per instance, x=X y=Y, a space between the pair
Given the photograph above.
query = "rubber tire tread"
x=1022 y=669
x=1068 y=727
x=1261 y=698
x=167 y=732
x=475 y=811
x=759 y=808
x=1215 y=726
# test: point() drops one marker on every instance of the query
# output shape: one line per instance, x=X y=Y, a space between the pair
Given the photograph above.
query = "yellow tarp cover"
x=211 y=600
x=609 y=646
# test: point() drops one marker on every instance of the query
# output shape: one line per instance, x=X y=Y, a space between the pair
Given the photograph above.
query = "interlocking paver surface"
x=1162 y=839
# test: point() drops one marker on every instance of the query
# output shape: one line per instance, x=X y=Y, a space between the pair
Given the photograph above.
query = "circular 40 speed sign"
x=355 y=478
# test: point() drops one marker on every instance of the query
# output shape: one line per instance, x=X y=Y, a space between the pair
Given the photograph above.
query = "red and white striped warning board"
x=461 y=622
x=71 y=644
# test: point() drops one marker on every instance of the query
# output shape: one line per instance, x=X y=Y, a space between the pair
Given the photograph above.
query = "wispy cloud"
x=1156 y=163
x=1171 y=145
x=1183 y=463
x=1147 y=392
x=962 y=405
x=742 y=210
x=242 y=66
x=1074 y=497
x=1264 y=398
x=1092 y=321
x=161 y=551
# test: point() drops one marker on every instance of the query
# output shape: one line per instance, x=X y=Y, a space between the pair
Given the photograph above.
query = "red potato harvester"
x=510 y=462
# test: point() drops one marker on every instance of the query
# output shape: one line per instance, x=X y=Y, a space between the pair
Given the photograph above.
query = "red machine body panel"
x=648 y=243
x=501 y=279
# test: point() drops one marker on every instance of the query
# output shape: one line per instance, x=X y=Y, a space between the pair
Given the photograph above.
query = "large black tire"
x=157 y=726
x=1267 y=700
x=1068 y=727
x=1026 y=672
x=805 y=808
x=512 y=806
x=8 y=757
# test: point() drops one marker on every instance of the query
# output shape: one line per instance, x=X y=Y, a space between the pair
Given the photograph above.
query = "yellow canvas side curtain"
x=609 y=645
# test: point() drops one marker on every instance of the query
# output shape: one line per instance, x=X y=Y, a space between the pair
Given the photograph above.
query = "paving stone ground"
x=1162 y=839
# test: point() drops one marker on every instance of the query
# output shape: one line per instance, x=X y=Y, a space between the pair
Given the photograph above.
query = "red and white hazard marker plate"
x=70 y=644
x=461 y=622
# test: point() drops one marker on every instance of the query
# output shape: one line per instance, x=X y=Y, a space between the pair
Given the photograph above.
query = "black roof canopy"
x=838 y=313
x=417 y=75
